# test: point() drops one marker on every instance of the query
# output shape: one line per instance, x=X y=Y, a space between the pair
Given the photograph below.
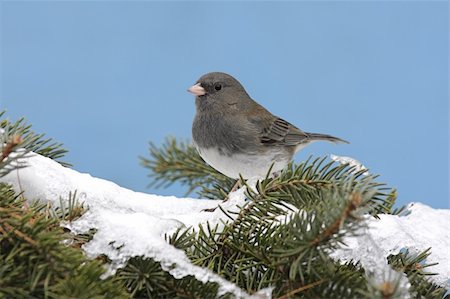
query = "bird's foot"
x=233 y=189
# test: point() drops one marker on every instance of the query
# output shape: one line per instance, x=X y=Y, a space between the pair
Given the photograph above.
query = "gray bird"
x=236 y=135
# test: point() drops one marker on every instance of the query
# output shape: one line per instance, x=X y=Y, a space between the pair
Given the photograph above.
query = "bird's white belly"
x=249 y=166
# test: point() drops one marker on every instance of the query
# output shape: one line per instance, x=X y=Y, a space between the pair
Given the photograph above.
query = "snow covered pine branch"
x=130 y=224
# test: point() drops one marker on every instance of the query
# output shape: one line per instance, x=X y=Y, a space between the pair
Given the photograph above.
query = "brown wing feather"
x=274 y=130
x=281 y=132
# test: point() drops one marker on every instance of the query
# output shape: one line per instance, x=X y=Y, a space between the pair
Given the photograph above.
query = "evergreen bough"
x=280 y=239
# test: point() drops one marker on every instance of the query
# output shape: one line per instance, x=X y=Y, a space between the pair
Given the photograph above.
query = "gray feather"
x=326 y=137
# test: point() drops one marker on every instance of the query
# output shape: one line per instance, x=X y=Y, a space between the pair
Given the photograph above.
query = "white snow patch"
x=290 y=210
x=128 y=223
x=424 y=227
x=351 y=162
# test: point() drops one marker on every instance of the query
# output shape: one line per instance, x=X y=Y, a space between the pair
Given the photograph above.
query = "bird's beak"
x=197 y=90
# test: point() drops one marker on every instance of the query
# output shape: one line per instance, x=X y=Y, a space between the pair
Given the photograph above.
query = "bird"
x=237 y=136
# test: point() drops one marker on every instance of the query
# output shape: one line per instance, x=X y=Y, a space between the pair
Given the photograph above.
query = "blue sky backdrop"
x=105 y=78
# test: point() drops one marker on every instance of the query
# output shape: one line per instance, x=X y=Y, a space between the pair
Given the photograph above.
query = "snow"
x=131 y=223
x=422 y=228
x=379 y=238
x=351 y=162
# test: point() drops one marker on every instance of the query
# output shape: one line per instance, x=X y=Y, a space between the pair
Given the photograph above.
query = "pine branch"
x=415 y=267
x=69 y=209
x=179 y=162
x=144 y=278
x=281 y=237
x=18 y=138
x=301 y=289
x=35 y=263
x=259 y=249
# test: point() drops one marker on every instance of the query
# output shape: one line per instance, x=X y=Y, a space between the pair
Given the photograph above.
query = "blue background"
x=105 y=78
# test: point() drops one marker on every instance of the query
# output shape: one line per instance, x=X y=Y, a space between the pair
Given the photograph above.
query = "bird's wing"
x=277 y=131
x=272 y=130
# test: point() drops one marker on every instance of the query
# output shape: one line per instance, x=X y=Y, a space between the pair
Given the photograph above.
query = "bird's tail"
x=325 y=137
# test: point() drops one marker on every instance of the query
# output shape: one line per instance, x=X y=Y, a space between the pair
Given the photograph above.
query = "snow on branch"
x=131 y=223
x=422 y=228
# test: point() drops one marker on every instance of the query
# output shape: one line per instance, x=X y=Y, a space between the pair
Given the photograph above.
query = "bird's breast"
x=224 y=133
x=248 y=166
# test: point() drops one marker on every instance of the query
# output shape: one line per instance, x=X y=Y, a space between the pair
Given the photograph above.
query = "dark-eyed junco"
x=236 y=135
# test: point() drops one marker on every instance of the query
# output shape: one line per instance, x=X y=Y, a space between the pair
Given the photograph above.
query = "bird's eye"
x=217 y=86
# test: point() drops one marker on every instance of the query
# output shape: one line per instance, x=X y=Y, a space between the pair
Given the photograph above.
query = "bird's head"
x=218 y=89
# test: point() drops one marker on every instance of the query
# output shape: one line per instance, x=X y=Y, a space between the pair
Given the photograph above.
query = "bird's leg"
x=234 y=188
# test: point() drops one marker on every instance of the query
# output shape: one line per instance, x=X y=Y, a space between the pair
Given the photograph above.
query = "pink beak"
x=197 y=90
